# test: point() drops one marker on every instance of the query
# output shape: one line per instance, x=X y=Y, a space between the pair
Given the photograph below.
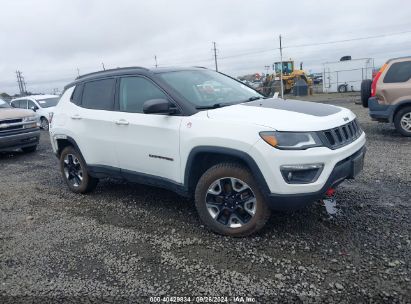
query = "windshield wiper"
x=220 y=104
x=213 y=106
x=256 y=98
x=253 y=99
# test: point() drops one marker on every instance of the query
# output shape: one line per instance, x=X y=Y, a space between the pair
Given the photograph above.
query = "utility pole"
x=78 y=72
x=281 y=71
x=102 y=64
x=215 y=57
x=21 y=83
x=155 y=59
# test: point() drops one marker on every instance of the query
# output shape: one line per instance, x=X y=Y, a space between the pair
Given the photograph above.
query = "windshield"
x=207 y=88
x=4 y=104
x=48 y=102
x=287 y=67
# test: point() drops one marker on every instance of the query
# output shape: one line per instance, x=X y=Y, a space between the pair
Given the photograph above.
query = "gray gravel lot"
x=127 y=242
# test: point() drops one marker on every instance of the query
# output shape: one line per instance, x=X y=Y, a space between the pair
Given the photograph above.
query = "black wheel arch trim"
x=399 y=106
x=245 y=157
x=72 y=142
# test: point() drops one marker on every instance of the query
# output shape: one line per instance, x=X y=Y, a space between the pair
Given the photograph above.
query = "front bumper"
x=344 y=169
x=380 y=112
x=20 y=140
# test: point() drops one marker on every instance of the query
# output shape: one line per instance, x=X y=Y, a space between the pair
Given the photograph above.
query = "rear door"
x=146 y=143
x=93 y=124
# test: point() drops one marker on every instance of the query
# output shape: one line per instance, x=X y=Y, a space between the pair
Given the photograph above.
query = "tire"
x=342 y=88
x=44 y=124
x=74 y=171
x=365 y=92
x=226 y=210
x=30 y=149
x=402 y=121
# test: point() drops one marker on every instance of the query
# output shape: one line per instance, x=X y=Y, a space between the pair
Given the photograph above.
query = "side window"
x=15 y=104
x=99 y=94
x=22 y=104
x=31 y=104
x=134 y=91
x=76 y=96
x=398 y=72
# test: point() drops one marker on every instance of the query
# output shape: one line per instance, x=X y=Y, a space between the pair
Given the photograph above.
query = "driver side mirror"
x=34 y=108
x=158 y=106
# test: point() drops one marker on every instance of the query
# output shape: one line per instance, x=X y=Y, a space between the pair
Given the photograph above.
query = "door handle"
x=122 y=122
x=76 y=116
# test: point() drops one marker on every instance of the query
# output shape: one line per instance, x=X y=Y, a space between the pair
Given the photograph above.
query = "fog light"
x=301 y=173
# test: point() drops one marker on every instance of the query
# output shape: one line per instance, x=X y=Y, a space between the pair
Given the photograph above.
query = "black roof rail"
x=111 y=70
x=199 y=67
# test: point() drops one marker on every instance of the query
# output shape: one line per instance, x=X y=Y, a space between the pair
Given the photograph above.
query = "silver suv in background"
x=390 y=92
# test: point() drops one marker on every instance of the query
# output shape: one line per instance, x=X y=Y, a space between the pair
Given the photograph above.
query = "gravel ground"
x=126 y=242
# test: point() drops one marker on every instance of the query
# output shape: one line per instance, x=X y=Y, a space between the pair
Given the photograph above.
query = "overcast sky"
x=49 y=39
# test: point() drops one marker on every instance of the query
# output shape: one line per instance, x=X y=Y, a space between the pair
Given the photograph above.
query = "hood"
x=13 y=113
x=285 y=115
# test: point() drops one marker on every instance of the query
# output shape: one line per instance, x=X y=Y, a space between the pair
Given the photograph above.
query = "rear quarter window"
x=99 y=95
x=398 y=72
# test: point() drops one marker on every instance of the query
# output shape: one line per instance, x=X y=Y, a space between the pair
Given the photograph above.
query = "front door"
x=147 y=143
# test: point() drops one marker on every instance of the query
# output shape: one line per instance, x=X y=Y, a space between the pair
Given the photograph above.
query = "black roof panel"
x=127 y=71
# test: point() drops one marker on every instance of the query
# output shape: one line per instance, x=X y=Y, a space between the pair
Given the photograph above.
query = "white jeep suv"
x=205 y=135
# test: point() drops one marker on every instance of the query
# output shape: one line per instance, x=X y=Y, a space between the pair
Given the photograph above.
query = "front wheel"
x=229 y=201
x=74 y=171
x=44 y=124
x=402 y=121
x=342 y=88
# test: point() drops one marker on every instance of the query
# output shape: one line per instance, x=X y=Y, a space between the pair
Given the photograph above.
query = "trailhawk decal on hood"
x=309 y=108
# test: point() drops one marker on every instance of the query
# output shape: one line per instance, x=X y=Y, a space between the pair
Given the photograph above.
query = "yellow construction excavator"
x=290 y=76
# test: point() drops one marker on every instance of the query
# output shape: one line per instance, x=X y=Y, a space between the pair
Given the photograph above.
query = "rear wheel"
x=365 y=92
x=402 y=121
x=74 y=171
x=229 y=201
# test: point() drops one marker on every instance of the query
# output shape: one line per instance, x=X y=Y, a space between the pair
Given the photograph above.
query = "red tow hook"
x=330 y=203
x=330 y=192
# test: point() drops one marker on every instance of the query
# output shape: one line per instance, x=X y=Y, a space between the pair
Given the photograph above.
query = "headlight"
x=291 y=140
x=31 y=122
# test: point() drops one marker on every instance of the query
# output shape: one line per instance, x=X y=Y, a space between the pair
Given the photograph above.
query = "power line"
x=315 y=44
x=348 y=40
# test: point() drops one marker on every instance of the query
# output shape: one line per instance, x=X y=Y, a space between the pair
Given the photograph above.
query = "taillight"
x=51 y=114
x=375 y=80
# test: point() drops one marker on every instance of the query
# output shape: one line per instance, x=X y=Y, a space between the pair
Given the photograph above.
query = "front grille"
x=7 y=126
x=341 y=136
